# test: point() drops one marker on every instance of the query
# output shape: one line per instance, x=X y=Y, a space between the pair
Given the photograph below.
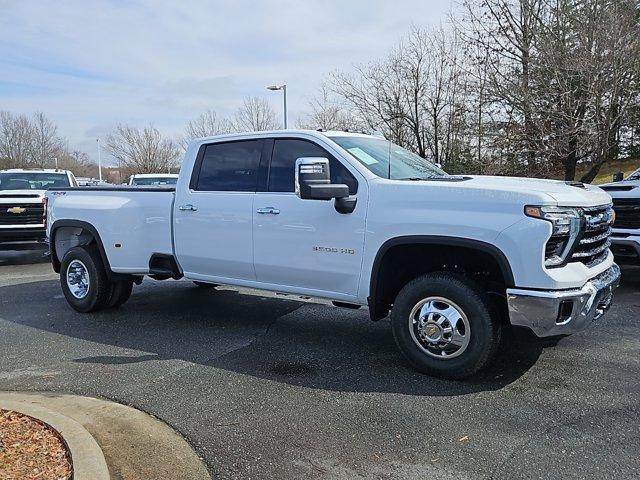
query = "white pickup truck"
x=360 y=221
x=153 y=179
x=22 y=204
x=625 y=238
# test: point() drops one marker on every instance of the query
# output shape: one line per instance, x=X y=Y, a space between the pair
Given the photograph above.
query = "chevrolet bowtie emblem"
x=16 y=210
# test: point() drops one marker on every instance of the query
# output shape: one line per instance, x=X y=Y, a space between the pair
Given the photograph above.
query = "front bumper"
x=626 y=248
x=22 y=236
x=563 y=312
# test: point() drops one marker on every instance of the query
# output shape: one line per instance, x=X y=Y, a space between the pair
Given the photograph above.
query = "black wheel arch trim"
x=85 y=226
x=377 y=311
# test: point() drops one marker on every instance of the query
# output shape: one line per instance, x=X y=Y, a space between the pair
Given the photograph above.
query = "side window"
x=230 y=167
x=283 y=161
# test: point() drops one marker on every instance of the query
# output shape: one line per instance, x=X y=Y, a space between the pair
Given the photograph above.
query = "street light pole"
x=284 y=91
x=99 y=161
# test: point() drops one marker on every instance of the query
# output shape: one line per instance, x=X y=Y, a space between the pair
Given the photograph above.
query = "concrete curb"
x=131 y=443
x=86 y=456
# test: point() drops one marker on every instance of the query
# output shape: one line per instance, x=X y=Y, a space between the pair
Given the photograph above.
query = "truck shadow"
x=302 y=344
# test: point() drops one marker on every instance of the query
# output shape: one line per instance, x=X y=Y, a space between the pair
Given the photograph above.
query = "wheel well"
x=67 y=235
x=399 y=263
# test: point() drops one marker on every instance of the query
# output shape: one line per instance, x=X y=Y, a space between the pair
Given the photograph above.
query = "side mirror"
x=313 y=180
x=618 y=176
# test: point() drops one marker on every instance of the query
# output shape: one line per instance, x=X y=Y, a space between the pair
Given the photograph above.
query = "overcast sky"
x=91 y=64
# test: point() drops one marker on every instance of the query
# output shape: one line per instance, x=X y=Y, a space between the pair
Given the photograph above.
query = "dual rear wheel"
x=84 y=281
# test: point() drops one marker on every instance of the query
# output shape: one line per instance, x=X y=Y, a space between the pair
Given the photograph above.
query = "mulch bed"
x=31 y=450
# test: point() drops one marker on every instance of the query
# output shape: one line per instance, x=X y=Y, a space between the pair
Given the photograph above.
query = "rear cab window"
x=228 y=166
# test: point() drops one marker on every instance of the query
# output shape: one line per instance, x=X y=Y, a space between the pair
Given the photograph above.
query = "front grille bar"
x=597 y=238
x=592 y=252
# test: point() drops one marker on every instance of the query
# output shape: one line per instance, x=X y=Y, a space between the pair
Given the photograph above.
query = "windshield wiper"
x=428 y=177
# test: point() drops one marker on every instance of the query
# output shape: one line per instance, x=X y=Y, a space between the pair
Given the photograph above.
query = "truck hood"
x=624 y=189
x=22 y=195
x=626 y=184
x=563 y=193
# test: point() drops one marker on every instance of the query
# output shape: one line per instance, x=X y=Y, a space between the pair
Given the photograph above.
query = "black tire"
x=99 y=288
x=204 y=284
x=485 y=326
x=120 y=293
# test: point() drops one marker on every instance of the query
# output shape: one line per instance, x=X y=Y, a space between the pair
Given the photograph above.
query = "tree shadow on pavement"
x=291 y=342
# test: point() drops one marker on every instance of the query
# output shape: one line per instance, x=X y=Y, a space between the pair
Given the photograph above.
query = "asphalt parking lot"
x=267 y=387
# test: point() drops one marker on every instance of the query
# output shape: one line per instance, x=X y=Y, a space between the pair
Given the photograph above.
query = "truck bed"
x=133 y=222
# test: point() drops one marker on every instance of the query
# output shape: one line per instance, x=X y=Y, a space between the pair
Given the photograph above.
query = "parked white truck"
x=22 y=204
x=626 y=229
x=357 y=220
x=153 y=179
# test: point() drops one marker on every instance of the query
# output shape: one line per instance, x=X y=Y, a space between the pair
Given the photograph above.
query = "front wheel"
x=443 y=325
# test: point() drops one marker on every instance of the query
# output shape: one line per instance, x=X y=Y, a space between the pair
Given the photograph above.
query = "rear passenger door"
x=213 y=217
x=306 y=245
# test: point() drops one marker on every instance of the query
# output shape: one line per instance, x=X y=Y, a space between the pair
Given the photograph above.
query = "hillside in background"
x=607 y=170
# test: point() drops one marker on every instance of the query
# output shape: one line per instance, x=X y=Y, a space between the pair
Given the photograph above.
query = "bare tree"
x=373 y=92
x=561 y=76
x=205 y=125
x=15 y=140
x=78 y=162
x=508 y=30
x=142 y=150
x=412 y=95
x=26 y=142
x=46 y=144
x=616 y=79
x=328 y=113
x=255 y=114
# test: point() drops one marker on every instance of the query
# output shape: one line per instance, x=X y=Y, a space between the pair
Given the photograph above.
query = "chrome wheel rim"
x=440 y=328
x=78 y=279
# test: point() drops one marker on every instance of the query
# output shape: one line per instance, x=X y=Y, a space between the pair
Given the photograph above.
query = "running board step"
x=352 y=306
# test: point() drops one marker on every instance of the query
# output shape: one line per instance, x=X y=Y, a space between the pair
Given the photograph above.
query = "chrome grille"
x=594 y=243
x=32 y=214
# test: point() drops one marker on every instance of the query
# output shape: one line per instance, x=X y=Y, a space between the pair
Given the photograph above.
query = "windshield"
x=154 y=181
x=375 y=154
x=32 y=181
x=635 y=175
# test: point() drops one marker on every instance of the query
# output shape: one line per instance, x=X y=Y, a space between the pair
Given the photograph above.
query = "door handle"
x=188 y=208
x=268 y=210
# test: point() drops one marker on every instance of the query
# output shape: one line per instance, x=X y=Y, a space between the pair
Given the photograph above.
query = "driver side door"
x=306 y=246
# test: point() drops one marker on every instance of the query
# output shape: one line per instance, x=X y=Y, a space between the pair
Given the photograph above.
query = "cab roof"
x=266 y=133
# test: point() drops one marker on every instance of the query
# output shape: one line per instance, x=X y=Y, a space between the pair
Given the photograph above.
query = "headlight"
x=566 y=226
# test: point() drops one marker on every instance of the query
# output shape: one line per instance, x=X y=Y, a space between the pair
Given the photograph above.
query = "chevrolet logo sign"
x=16 y=210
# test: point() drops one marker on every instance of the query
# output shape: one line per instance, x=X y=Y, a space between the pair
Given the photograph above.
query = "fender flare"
x=377 y=311
x=76 y=224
